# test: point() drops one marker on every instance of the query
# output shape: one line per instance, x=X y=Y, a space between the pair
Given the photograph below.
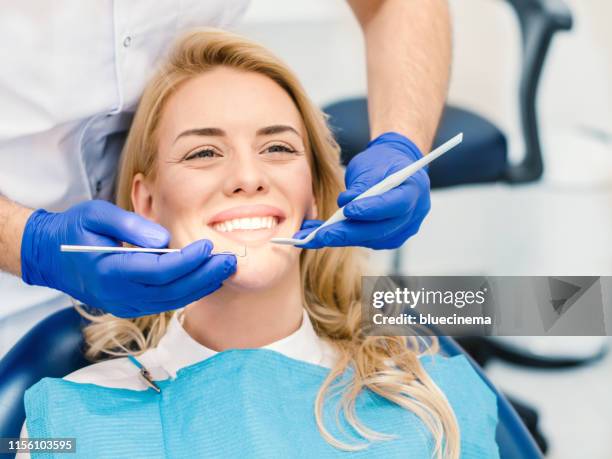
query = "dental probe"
x=111 y=249
x=394 y=180
x=104 y=249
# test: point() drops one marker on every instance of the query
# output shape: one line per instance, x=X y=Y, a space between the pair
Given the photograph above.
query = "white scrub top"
x=70 y=71
x=71 y=75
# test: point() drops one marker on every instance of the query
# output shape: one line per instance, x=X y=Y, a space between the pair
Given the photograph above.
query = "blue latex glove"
x=385 y=221
x=123 y=284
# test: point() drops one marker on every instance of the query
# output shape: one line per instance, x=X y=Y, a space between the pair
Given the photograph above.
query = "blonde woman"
x=226 y=147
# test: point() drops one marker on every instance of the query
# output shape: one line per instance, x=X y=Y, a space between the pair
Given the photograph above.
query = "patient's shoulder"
x=457 y=375
x=118 y=373
x=473 y=401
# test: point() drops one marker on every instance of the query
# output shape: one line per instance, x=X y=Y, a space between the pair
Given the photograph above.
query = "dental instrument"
x=144 y=373
x=392 y=181
x=111 y=249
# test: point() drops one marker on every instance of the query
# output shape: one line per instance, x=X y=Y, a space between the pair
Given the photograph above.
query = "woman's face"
x=232 y=168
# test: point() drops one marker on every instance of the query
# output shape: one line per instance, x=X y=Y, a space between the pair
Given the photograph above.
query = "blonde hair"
x=386 y=365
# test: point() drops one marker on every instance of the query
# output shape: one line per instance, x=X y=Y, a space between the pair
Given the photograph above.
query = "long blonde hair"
x=331 y=277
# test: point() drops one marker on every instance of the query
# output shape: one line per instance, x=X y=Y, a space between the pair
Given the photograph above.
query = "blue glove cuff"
x=402 y=143
x=30 y=248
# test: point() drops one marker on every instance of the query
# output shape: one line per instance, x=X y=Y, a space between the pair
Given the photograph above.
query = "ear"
x=142 y=197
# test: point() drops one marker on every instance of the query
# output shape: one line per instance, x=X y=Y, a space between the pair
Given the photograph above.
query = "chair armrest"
x=539 y=21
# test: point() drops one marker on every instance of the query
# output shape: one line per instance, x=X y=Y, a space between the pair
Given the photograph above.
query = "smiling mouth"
x=249 y=229
x=246 y=224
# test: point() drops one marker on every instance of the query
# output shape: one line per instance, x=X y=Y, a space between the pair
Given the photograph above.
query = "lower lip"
x=251 y=235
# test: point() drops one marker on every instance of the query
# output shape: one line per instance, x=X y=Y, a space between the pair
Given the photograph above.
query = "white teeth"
x=252 y=223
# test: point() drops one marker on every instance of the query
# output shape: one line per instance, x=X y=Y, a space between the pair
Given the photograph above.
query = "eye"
x=279 y=148
x=203 y=153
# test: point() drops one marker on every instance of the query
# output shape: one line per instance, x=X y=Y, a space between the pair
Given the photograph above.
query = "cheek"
x=180 y=196
x=298 y=187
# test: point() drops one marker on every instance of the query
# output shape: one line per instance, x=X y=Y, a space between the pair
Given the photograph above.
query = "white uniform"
x=72 y=73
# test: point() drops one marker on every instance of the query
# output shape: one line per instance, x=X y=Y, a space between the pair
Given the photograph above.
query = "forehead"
x=231 y=99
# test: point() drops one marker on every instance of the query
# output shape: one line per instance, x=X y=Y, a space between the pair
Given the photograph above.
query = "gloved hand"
x=385 y=221
x=123 y=284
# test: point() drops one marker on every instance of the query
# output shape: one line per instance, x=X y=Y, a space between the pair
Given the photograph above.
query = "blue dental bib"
x=253 y=403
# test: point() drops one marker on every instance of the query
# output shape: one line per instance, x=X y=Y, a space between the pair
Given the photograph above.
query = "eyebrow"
x=216 y=132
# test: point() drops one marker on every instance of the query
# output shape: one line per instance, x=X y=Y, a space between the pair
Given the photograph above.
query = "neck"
x=239 y=318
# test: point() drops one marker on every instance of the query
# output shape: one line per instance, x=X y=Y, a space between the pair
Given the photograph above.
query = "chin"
x=264 y=268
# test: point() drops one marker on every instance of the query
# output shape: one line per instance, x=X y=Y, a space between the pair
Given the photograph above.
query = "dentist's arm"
x=124 y=284
x=13 y=218
x=408 y=52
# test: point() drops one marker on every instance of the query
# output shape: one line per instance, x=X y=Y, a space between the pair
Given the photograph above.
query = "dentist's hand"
x=385 y=221
x=123 y=284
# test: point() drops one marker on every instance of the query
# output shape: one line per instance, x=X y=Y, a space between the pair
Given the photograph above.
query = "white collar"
x=177 y=349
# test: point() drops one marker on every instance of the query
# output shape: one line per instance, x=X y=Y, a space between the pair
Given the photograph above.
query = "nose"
x=246 y=175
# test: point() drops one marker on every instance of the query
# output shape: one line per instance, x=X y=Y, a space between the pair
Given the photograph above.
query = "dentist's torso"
x=69 y=68
x=72 y=72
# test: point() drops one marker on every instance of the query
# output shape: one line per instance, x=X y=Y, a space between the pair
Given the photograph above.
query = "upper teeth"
x=246 y=224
